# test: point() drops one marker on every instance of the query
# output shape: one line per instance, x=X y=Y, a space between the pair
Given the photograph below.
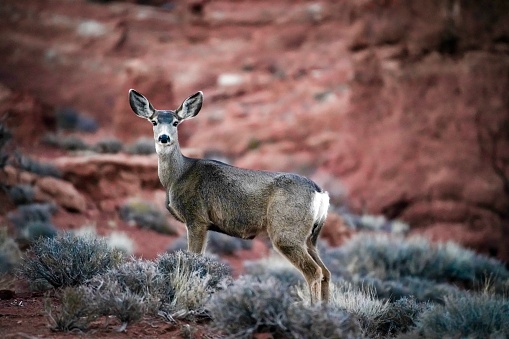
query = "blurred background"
x=399 y=109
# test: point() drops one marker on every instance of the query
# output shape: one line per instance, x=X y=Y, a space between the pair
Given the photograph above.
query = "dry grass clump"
x=191 y=279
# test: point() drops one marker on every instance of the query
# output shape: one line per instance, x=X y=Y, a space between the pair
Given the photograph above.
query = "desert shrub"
x=401 y=316
x=43 y=169
x=379 y=223
x=68 y=260
x=218 y=243
x=70 y=119
x=190 y=279
x=252 y=306
x=420 y=289
x=26 y=214
x=116 y=239
x=179 y=244
x=393 y=258
x=146 y=215
x=74 y=313
x=142 y=146
x=33 y=221
x=111 y=145
x=120 y=241
x=34 y=230
x=223 y=244
x=5 y=137
x=68 y=143
x=110 y=300
x=21 y=194
x=274 y=266
x=378 y=318
x=128 y=291
x=10 y=256
x=176 y=285
x=467 y=316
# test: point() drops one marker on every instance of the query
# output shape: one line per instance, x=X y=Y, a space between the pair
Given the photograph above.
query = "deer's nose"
x=163 y=138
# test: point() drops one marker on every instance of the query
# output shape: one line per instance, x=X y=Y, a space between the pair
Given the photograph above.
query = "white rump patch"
x=320 y=205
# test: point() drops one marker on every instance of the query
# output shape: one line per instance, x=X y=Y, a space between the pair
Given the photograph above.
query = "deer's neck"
x=172 y=164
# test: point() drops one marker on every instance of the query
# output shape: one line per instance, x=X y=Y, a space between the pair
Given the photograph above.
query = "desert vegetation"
x=383 y=286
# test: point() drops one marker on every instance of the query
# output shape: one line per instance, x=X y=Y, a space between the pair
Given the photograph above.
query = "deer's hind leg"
x=300 y=258
x=289 y=229
x=313 y=252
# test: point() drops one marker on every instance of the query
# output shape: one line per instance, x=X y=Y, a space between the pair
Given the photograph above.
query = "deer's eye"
x=154 y=123
x=175 y=123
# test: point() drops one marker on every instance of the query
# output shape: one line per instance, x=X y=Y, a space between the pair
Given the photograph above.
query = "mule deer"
x=209 y=195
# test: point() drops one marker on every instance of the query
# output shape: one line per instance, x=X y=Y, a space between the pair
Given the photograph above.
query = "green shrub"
x=252 y=306
x=68 y=260
x=467 y=316
x=146 y=215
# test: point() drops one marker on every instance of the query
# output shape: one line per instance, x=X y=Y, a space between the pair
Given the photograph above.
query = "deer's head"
x=165 y=122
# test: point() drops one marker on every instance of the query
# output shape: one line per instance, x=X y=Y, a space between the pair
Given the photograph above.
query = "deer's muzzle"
x=164 y=139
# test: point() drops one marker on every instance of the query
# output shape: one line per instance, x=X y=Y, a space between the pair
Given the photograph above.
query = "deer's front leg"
x=196 y=238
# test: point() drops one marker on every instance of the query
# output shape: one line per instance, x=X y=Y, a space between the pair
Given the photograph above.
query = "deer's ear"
x=140 y=105
x=190 y=107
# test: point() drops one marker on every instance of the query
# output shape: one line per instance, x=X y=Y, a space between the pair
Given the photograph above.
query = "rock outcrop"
x=395 y=107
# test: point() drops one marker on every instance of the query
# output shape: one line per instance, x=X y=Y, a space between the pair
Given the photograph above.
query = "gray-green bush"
x=68 y=260
x=142 y=146
x=41 y=168
x=75 y=311
x=217 y=243
x=5 y=137
x=66 y=142
x=21 y=194
x=146 y=215
x=111 y=145
x=252 y=306
x=176 y=285
x=467 y=316
x=394 y=258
